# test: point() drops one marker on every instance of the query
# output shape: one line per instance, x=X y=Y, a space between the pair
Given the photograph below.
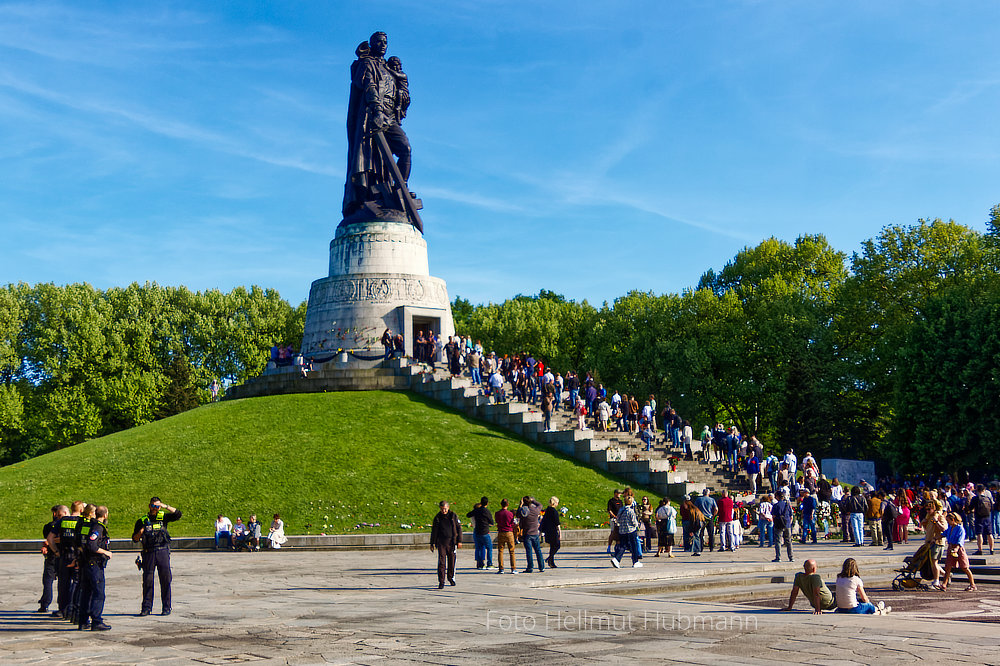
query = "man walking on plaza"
x=446 y=538
x=505 y=535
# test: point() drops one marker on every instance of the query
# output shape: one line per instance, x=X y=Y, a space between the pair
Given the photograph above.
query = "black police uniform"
x=156 y=557
x=66 y=571
x=92 y=566
x=49 y=570
x=80 y=534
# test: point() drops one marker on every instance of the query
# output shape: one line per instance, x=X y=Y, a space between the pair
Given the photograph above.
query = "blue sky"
x=590 y=148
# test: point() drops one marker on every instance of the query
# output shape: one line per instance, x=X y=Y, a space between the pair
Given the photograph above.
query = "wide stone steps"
x=622 y=454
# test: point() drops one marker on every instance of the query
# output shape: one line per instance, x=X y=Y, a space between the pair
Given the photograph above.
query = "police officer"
x=151 y=530
x=94 y=557
x=65 y=540
x=80 y=534
x=50 y=570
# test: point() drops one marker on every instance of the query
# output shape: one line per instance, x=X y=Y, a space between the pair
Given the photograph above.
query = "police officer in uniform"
x=94 y=557
x=80 y=534
x=151 y=530
x=65 y=541
x=50 y=551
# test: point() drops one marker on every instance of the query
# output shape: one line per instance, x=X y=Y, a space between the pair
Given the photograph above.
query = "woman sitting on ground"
x=850 y=588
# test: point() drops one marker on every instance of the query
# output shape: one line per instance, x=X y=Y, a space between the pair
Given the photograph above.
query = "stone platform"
x=295 y=607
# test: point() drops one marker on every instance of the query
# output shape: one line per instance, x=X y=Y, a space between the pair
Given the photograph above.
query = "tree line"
x=892 y=353
x=77 y=362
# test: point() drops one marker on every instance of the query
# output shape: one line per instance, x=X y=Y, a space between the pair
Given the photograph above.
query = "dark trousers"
x=446 y=562
x=779 y=534
x=157 y=560
x=399 y=145
x=91 y=605
x=65 y=588
x=710 y=529
x=888 y=527
x=554 y=545
x=48 y=577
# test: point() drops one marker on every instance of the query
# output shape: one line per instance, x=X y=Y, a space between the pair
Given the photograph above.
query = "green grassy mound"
x=328 y=462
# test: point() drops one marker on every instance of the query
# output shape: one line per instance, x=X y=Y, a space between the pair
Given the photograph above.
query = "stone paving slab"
x=383 y=607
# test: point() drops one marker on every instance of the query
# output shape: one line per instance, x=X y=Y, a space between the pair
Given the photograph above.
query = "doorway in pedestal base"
x=426 y=325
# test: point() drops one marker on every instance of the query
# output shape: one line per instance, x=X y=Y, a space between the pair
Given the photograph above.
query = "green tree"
x=891 y=280
x=948 y=387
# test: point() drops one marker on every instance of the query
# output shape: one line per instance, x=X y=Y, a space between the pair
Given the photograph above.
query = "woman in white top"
x=850 y=589
x=666 y=527
x=276 y=536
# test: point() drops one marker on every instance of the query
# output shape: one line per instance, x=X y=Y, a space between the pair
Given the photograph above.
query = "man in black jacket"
x=446 y=538
x=781 y=514
x=482 y=518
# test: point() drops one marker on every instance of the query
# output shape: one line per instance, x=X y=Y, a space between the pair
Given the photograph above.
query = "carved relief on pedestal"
x=412 y=290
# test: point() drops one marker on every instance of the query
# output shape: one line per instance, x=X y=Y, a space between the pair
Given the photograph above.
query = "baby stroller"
x=918 y=567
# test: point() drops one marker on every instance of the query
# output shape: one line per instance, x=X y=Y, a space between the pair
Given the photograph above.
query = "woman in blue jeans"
x=628 y=532
x=850 y=589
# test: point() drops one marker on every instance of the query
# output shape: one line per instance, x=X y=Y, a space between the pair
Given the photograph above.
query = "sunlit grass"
x=328 y=462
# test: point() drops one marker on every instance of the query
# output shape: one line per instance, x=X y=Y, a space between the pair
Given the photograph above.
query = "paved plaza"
x=383 y=606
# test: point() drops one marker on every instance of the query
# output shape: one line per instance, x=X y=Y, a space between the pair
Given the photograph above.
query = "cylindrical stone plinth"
x=379 y=279
x=378 y=247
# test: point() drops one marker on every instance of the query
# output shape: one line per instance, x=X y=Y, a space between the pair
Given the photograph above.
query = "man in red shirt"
x=505 y=535
x=728 y=530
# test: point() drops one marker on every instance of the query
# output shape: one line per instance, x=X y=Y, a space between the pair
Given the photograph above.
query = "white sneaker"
x=637 y=565
x=514 y=571
x=615 y=563
x=886 y=610
x=880 y=605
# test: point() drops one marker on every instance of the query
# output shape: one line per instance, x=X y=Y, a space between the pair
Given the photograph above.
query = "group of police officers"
x=77 y=550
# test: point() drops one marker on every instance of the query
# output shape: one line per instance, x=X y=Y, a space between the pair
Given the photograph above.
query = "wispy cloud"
x=115 y=39
x=164 y=126
x=472 y=199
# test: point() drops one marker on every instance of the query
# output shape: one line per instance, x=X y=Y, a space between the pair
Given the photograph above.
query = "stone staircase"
x=618 y=453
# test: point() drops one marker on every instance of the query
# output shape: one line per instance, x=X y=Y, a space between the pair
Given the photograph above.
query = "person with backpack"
x=982 y=515
x=781 y=514
x=890 y=514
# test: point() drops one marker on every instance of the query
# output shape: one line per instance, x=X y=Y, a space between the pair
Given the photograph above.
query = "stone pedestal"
x=378 y=279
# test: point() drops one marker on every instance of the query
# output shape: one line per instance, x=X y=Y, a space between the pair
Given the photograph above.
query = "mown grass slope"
x=328 y=462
